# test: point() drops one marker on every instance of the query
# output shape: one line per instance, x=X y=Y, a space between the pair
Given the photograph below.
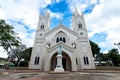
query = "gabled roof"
x=63 y=27
x=63 y=46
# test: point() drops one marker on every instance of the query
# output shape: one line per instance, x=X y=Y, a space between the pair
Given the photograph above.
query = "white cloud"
x=27 y=38
x=80 y=4
x=56 y=15
x=27 y=14
x=3 y=53
x=21 y=10
x=105 y=18
x=2 y=16
x=93 y=1
x=25 y=11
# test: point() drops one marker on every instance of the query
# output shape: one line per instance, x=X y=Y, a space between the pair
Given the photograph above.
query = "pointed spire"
x=77 y=12
x=39 y=16
x=47 y=13
x=82 y=13
x=75 y=8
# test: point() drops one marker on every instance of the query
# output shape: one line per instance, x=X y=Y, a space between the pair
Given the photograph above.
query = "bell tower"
x=78 y=23
x=43 y=24
x=39 y=49
x=83 y=46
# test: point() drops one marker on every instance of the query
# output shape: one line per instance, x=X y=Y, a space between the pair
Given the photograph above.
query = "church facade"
x=75 y=46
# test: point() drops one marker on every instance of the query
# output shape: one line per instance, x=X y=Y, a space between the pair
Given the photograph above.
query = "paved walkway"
x=81 y=75
x=94 y=71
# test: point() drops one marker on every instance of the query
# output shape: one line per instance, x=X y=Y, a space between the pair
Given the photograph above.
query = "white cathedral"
x=75 y=46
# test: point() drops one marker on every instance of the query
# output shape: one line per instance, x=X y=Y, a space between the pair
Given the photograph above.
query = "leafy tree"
x=105 y=57
x=15 y=55
x=114 y=56
x=95 y=48
x=8 y=38
x=96 y=51
x=26 y=57
x=26 y=54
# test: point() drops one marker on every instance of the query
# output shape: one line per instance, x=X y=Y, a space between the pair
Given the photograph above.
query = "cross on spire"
x=60 y=22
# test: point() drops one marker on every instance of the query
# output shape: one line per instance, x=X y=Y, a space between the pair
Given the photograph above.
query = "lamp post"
x=117 y=44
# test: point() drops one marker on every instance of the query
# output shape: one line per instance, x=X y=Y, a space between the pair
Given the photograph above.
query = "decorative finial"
x=82 y=13
x=60 y=22
x=75 y=8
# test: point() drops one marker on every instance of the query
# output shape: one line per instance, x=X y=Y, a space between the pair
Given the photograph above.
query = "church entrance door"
x=66 y=62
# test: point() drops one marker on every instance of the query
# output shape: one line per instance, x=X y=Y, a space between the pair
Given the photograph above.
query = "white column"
x=59 y=67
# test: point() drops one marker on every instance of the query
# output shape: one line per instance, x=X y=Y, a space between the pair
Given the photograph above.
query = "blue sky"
x=61 y=7
x=102 y=18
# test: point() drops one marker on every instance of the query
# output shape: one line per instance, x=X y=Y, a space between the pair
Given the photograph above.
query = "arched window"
x=86 y=61
x=36 y=60
x=79 y=25
x=64 y=40
x=60 y=38
x=42 y=26
x=57 y=40
x=76 y=61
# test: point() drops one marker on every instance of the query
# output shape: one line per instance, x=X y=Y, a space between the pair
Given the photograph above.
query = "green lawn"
x=107 y=67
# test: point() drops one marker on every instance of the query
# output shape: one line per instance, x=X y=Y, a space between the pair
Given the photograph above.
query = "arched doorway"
x=66 y=62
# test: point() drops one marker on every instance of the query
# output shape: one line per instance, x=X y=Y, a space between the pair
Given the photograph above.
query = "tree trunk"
x=18 y=62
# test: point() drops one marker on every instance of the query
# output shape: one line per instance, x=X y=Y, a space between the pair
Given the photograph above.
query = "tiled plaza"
x=82 y=75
